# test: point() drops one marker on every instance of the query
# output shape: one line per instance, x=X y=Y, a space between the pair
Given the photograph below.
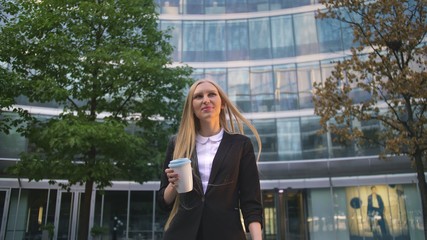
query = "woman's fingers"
x=172 y=176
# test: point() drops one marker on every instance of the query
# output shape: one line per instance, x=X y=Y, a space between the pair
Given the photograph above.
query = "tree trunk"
x=85 y=212
x=422 y=186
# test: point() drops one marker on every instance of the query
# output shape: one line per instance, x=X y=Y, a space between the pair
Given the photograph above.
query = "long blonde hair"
x=230 y=119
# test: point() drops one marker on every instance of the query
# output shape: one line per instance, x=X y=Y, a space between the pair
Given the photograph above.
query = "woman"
x=225 y=174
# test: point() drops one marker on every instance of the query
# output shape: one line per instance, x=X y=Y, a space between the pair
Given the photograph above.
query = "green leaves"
x=77 y=149
x=108 y=65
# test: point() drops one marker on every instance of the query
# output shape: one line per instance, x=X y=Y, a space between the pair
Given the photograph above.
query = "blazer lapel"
x=220 y=156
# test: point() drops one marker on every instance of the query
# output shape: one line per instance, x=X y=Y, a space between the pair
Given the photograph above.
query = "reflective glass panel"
x=215 y=41
x=282 y=37
x=259 y=38
x=307 y=75
x=305 y=34
x=268 y=133
x=329 y=34
x=285 y=88
x=239 y=88
x=237 y=40
x=290 y=3
x=314 y=146
x=193 y=7
x=289 y=139
x=192 y=41
x=236 y=6
x=170 y=6
x=141 y=224
x=262 y=89
x=214 y=6
x=258 y=5
x=339 y=146
x=321 y=221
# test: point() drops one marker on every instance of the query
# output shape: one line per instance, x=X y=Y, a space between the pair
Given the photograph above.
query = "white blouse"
x=206 y=148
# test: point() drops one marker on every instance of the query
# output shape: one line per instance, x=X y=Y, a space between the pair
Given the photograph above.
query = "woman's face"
x=207 y=103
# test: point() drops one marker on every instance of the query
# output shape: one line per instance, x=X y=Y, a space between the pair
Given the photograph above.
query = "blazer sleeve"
x=163 y=178
x=250 y=190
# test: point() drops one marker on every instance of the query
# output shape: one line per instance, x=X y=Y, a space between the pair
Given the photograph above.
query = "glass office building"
x=266 y=54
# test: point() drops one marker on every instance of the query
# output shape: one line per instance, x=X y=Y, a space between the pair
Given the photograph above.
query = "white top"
x=375 y=201
x=206 y=148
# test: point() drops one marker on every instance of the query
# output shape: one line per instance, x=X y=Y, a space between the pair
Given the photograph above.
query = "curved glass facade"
x=254 y=36
x=267 y=62
x=226 y=6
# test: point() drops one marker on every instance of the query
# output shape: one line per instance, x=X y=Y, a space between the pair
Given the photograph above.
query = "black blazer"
x=233 y=186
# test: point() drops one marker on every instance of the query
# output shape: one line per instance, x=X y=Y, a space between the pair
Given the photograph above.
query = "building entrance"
x=285 y=214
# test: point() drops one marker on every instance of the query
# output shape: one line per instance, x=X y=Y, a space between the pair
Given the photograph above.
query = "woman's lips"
x=207 y=108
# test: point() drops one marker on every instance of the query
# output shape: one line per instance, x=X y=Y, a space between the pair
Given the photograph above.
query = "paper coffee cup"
x=182 y=167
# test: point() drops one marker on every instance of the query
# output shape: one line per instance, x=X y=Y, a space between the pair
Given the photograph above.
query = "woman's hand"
x=170 y=191
x=172 y=177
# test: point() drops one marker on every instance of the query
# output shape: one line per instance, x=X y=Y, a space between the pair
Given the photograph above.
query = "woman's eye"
x=197 y=96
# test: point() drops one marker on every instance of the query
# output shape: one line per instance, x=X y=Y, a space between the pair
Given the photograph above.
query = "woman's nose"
x=206 y=99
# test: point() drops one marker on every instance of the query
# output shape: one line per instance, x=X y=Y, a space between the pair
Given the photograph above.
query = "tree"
x=108 y=66
x=10 y=115
x=388 y=65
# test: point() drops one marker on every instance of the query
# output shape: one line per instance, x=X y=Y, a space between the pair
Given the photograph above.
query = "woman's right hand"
x=170 y=191
x=172 y=177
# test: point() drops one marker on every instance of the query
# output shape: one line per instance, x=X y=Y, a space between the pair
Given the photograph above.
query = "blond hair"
x=231 y=120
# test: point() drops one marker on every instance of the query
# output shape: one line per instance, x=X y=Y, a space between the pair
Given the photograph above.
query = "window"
x=236 y=6
x=305 y=34
x=260 y=42
x=268 y=134
x=286 y=90
x=262 y=89
x=193 y=41
x=314 y=146
x=237 y=40
x=329 y=35
x=289 y=139
x=282 y=37
x=307 y=75
x=215 y=41
x=239 y=88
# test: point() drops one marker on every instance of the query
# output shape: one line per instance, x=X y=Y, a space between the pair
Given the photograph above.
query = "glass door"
x=284 y=214
x=4 y=200
x=67 y=217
